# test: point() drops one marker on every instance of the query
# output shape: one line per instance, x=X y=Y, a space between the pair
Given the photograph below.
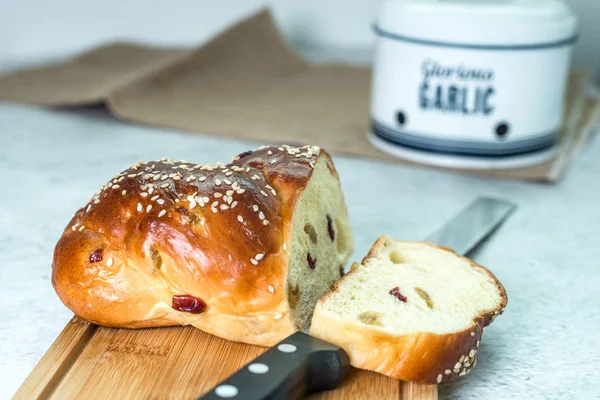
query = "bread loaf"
x=242 y=251
x=412 y=311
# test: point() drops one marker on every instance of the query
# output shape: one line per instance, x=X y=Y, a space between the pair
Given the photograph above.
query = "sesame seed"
x=235 y=186
x=155 y=197
x=139 y=207
x=202 y=221
x=255 y=208
x=88 y=208
x=151 y=189
x=472 y=333
x=273 y=161
x=161 y=213
x=124 y=192
x=472 y=353
x=240 y=191
x=74 y=227
x=227 y=181
x=149 y=208
x=447 y=372
x=214 y=204
x=247 y=169
x=478 y=343
x=265 y=222
x=463 y=372
x=217 y=195
x=439 y=378
x=239 y=218
x=109 y=262
x=224 y=207
x=116 y=186
x=259 y=256
x=261 y=215
x=461 y=359
x=218 y=182
x=285 y=246
x=253 y=261
x=96 y=201
x=274 y=192
x=278 y=316
x=192 y=204
x=202 y=179
x=229 y=199
x=143 y=194
x=164 y=185
x=234 y=204
x=263 y=193
x=269 y=152
x=271 y=289
x=160 y=201
x=228 y=173
x=156 y=177
x=82 y=227
x=255 y=177
x=230 y=192
x=214 y=210
x=176 y=178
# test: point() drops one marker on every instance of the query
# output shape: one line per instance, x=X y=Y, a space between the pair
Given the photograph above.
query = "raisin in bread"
x=412 y=310
x=242 y=251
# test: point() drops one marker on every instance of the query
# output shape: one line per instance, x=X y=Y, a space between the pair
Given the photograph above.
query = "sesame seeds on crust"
x=245 y=192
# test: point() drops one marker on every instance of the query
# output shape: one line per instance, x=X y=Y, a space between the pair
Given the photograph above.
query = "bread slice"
x=413 y=311
x=242 y=251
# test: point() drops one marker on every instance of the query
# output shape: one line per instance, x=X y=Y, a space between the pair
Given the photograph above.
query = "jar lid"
x=479 y=23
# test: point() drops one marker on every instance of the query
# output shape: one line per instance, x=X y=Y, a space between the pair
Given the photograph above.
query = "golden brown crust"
x=420 y=357
x=215 y=232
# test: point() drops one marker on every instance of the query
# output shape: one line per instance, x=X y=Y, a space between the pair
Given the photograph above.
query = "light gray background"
x=31 y=30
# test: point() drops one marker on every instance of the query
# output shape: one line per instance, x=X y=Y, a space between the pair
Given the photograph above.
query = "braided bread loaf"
x=242 y=251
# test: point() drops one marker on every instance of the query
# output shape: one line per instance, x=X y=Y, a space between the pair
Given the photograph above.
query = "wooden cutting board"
x=87 y=361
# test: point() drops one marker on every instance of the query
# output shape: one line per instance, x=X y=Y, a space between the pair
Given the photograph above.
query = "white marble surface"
x=547 y=255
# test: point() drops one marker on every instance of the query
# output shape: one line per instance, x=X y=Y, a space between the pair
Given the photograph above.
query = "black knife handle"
x=296 y=366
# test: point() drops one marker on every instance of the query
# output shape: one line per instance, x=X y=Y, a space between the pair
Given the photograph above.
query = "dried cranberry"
x=187 y=303
x=396 y=293
x=244 y=154
x=95 y=256
x=182 y=210
x=312 y=262
x=330 y=228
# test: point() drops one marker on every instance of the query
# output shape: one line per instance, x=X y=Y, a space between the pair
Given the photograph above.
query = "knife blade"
x=300 y=364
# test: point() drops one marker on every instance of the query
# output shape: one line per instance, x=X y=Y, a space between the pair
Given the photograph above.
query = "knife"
x=300 y=364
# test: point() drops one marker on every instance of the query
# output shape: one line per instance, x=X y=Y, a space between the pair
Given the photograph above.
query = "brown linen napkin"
x=249 y=83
